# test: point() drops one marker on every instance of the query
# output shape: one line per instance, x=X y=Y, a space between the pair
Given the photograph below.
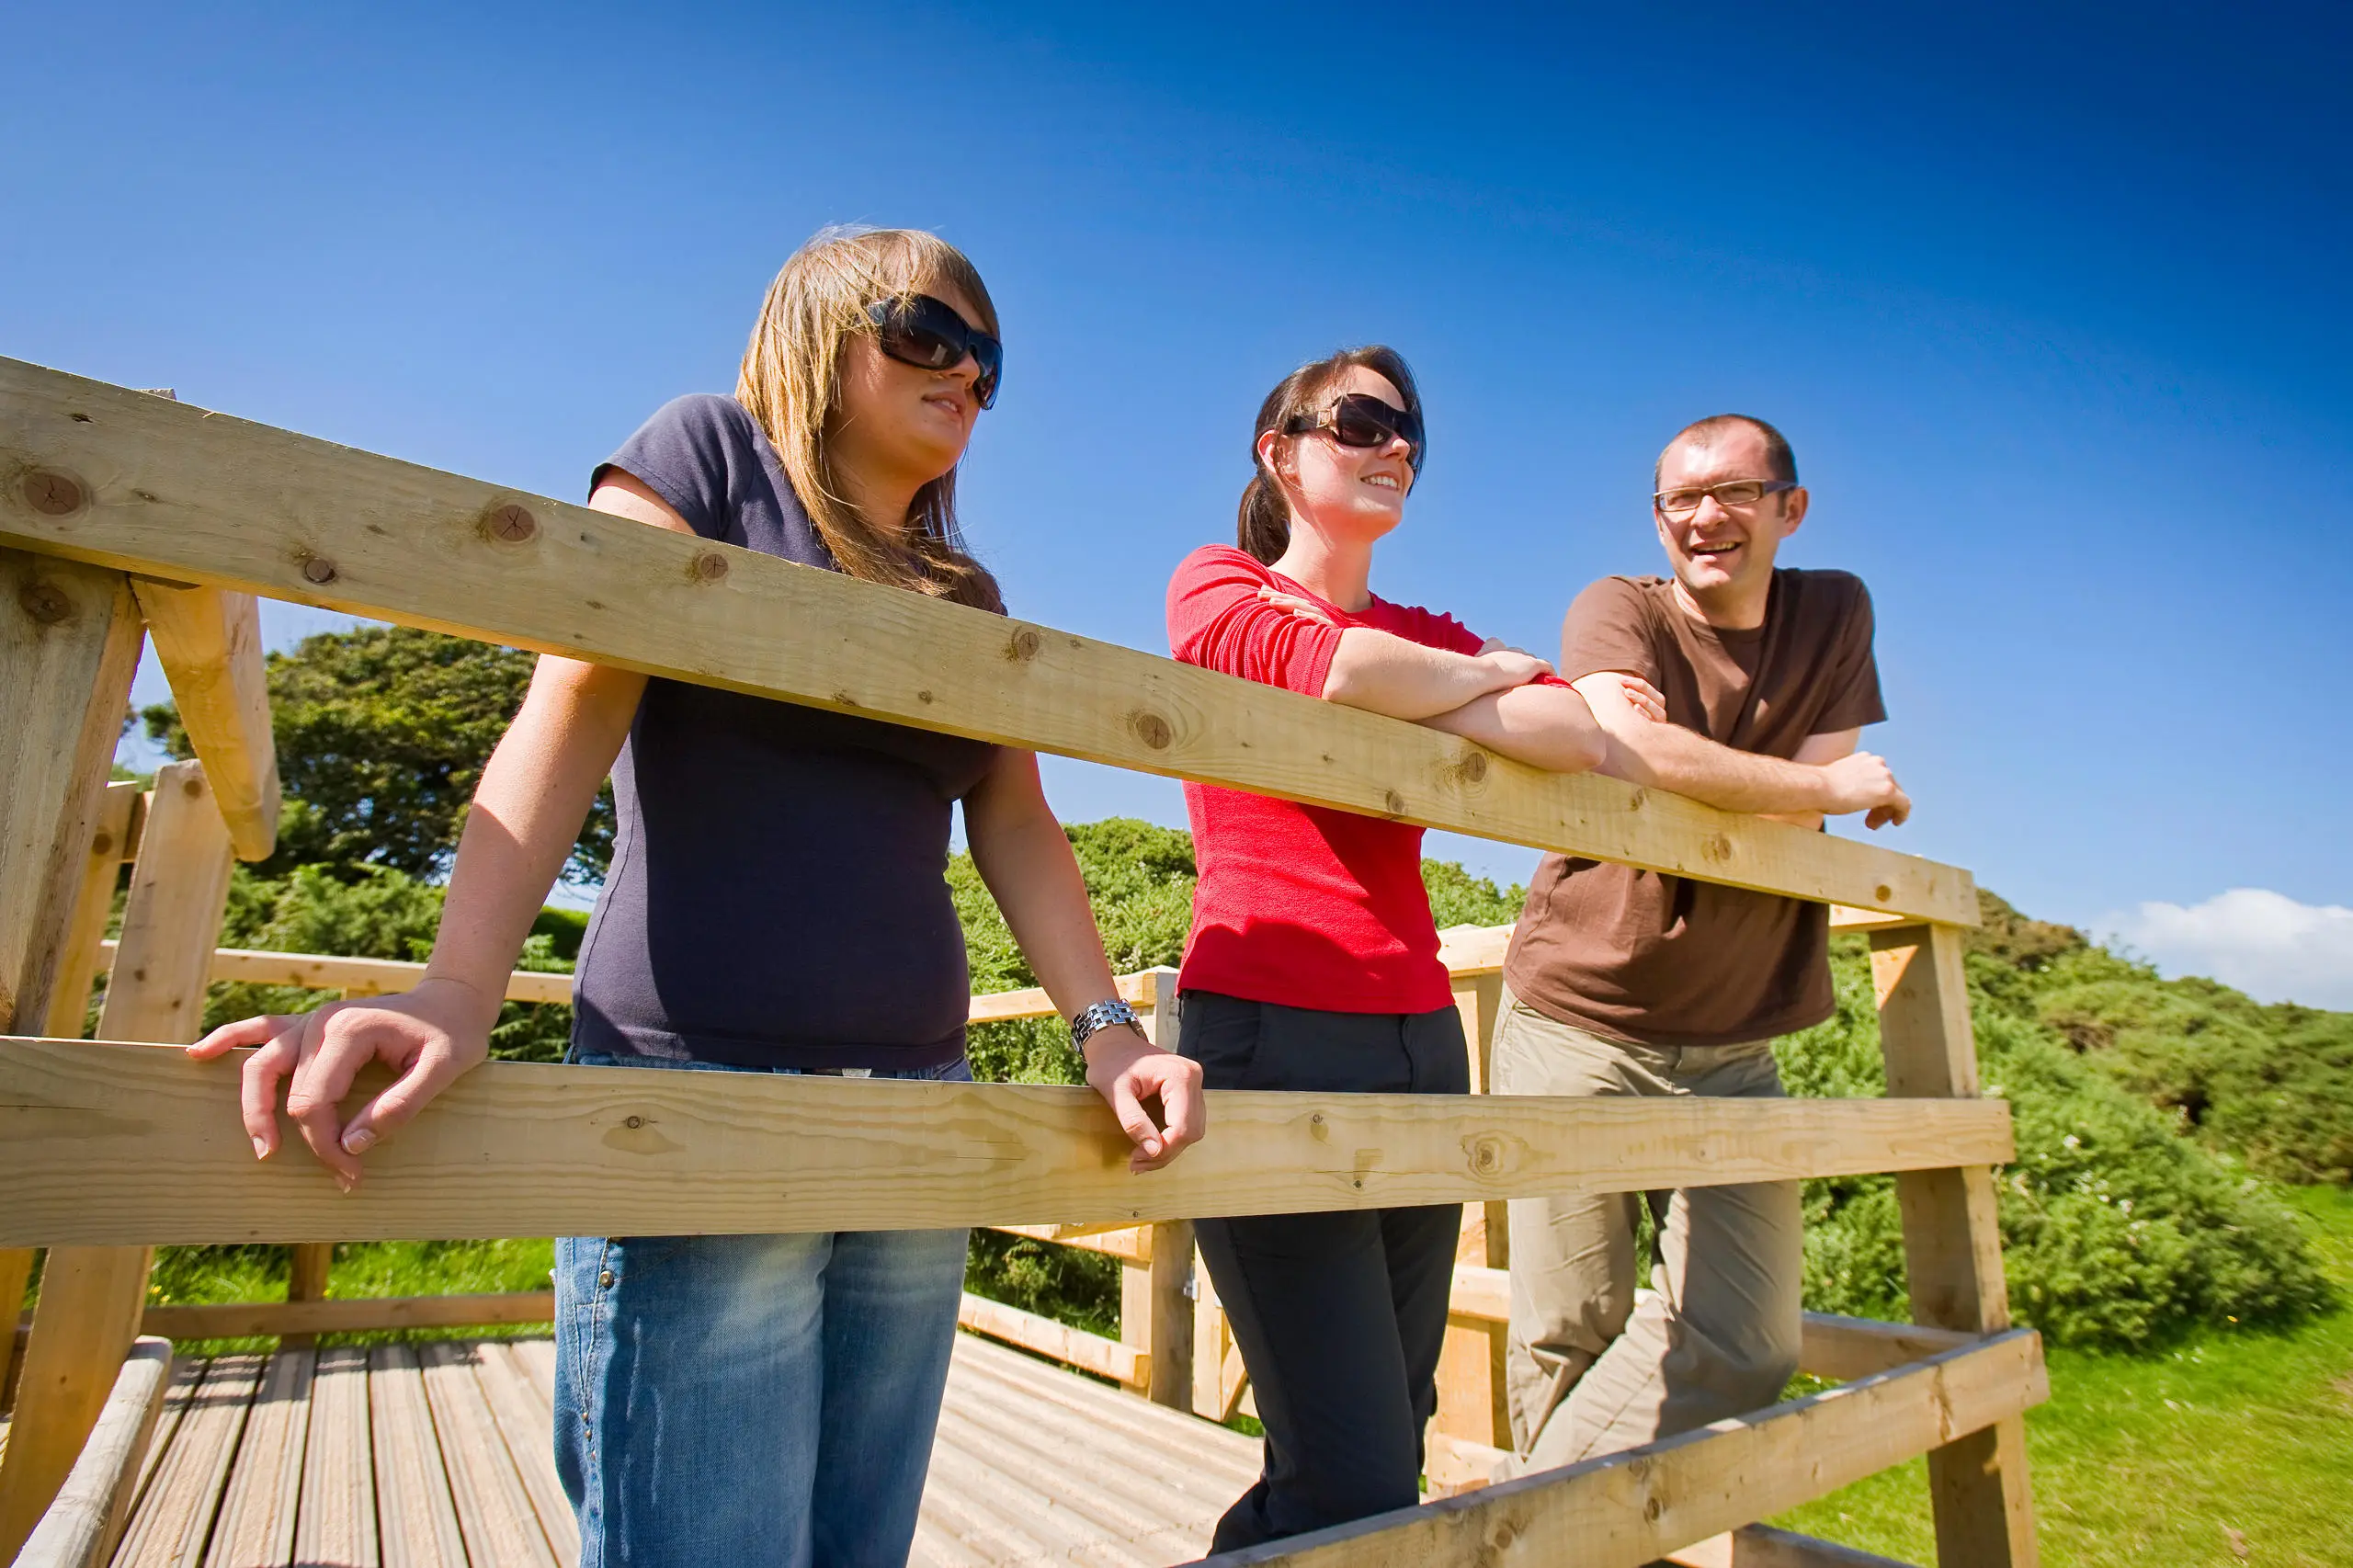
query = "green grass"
x=193 y=1276
x=2224 y=1448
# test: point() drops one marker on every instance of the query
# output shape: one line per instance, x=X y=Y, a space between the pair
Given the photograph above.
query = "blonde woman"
x=776 y=903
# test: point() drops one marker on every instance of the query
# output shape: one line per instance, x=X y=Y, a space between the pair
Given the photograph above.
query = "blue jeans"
x=752 y=1402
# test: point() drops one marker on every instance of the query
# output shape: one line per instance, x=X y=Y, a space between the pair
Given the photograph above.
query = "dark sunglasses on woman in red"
x=929 y=335
x=1360 y=419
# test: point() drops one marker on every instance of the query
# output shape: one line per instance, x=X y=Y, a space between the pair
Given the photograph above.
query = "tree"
x=382 y=735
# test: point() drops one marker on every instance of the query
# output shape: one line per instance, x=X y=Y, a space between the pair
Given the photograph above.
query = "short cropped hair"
x=1780 y=462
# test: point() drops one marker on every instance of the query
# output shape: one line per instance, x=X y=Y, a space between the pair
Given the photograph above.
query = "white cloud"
x=2265 y=943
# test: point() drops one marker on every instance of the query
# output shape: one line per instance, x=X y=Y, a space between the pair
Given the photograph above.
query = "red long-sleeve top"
x=1300 y=905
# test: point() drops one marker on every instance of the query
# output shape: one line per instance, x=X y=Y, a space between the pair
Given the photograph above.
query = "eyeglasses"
x=929 y=335
x=1358 y=419
x=1730 y=494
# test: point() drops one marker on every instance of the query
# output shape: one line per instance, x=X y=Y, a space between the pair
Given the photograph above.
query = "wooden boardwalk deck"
x=439 y=1455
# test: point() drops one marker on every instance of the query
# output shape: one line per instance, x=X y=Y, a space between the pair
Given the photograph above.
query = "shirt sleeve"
x=1217 y=621
x=688 y=454
x=1607 y=629
x=1854 y=684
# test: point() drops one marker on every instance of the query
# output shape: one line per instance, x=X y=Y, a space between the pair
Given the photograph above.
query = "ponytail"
x=1262 y=527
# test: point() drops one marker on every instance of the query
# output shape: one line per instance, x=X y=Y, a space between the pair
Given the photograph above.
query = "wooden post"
x=306 y=1280
x=91 y=1296
x=209 y=643
x=69 y=643
x=1472 y=1403
x=121 y=815
x=1952 y=1241
x=1155 y=1306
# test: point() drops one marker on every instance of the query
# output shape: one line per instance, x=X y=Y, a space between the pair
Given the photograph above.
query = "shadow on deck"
x=440 y=1456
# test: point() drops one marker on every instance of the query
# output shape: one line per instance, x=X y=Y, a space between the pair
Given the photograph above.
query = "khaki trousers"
x=1591 y=1370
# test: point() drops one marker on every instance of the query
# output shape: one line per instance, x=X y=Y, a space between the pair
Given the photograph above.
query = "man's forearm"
x=1668 y=757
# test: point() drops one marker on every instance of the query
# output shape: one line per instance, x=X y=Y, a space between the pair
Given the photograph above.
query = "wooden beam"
x=1155 y=1314
x=1953 y=1240
x=82 y=1326
x=168 y=490
x=69 y=641
x=1129 y=1244
x=1031 y=1002
x=209 y=642
x=307 y=1269
x=1073 y=1347
x=109 y=1143
x=16 y=1274
x=81 y=1526
x=239 y=1320
x=122 y=812
x=354 y=977
x=1468 y=950
x=1630 y=1509
x=91 y=1296
x=1761 y=1546
x=1840 y=1349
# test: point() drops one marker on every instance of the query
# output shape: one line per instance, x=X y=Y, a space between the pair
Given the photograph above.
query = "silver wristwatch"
x=1102 y=1014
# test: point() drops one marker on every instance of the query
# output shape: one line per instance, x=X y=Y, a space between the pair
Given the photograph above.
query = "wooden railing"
x=111 y=500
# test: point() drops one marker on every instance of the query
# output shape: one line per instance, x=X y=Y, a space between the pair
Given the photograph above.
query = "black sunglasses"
x=1360 y=419
x=929 y=335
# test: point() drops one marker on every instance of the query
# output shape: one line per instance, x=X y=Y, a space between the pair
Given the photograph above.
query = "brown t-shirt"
x=1659 y=959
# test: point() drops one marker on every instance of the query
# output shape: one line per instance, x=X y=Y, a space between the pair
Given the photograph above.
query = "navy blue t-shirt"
x=778 y=895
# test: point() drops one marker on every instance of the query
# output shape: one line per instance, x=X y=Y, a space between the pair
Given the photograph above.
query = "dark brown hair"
x=1780 y=462
x=1264 y=527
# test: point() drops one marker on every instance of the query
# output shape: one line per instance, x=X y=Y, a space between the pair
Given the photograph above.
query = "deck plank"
x=416 y=1518
x=440 y=1455
x=494 y=1512
x=188 y=1376
x=175 y=1519
x=337 y=1526
x=526 y=1423
x=265 y=1481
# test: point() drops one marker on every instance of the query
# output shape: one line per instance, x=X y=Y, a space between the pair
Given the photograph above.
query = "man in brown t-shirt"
x=1622 y=981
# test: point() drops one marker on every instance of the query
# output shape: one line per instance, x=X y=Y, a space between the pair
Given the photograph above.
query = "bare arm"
x=1383 y=674
x=534 y=794
x=1024 y=856
x=1545 y=726
x=1668 y=757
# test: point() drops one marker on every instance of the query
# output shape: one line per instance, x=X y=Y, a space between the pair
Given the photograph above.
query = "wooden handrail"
x=1467 y=951
x=157 y=487
x=129 y=1144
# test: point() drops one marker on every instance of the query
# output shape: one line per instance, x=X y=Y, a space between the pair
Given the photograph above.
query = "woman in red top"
x=1313 y=962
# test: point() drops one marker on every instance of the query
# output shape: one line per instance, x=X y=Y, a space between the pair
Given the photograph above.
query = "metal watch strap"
x=1098 y=1015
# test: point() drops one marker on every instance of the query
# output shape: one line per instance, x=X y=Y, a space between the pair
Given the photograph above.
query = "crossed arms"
x=1613 y=722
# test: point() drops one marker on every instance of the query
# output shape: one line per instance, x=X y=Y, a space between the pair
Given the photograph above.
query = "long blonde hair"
x=789 y=384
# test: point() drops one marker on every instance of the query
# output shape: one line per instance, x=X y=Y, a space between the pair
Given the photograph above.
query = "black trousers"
x=1339 y=1317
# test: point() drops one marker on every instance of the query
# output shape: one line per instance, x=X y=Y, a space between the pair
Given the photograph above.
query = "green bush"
x=373 y=912
x=2116 y=1231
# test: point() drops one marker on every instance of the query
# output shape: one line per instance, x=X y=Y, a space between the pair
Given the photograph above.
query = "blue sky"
x=2050 y=301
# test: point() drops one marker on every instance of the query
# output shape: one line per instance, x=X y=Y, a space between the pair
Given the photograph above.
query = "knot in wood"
x=51 y=494
x=633 y=1121
x=512 y=523
x=102 y=845
x=1474 y=768
x=1882 y=893
x=1715 y=849
x=1154 y=731
x=45 y=602
x=923 y=696
x=1653 y=1508
x=1394 y=801
x=709 y=567
x=1024 y=646
x=318 y=570
x=192 y=787
x=1486 y=1155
